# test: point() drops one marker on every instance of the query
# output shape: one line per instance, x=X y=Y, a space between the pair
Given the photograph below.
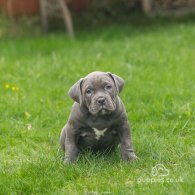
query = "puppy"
x=98 y=120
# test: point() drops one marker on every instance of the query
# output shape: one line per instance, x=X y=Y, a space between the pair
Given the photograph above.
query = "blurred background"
x=18 y=17
x=47 y=45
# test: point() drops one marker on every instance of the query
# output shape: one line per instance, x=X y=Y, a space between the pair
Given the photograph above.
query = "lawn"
x=156 y=60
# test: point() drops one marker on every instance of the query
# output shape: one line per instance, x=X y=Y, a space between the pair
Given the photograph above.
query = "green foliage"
x=22 y=26
x=157 y=62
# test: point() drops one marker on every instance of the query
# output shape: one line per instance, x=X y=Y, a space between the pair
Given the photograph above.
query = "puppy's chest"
x=97 y=134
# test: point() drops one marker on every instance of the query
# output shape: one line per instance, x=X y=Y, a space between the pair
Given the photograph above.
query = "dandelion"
x=13 y=88
x=7 y=86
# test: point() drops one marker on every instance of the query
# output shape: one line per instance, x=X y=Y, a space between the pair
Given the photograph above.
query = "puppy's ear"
x=118 y=82
x=75 y=92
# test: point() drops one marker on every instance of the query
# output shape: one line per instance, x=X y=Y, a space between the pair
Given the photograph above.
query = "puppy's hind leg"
x=62 y=138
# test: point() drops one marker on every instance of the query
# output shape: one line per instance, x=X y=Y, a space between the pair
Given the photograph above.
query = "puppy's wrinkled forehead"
x=97 y=80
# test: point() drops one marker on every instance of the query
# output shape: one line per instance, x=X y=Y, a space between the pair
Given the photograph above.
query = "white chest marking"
x=99 y=133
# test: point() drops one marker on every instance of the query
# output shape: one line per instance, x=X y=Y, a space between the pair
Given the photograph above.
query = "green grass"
x=157 y=62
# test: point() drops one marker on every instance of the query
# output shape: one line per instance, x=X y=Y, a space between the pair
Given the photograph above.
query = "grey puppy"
x=98 y=120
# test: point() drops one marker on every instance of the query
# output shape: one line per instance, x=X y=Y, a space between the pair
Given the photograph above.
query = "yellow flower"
x=13 y=88
x=27 y=115
x=7 y=86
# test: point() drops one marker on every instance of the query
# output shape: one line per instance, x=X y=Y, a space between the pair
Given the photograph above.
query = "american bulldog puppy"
x=98 y=120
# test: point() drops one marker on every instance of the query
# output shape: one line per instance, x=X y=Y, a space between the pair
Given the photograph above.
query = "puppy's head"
x=98 y=92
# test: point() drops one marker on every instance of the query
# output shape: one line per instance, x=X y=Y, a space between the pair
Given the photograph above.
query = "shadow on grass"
x=133 y=24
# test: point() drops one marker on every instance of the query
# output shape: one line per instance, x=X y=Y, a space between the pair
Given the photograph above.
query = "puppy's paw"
x=69 y=159
x=130 y=157
x=133 y=157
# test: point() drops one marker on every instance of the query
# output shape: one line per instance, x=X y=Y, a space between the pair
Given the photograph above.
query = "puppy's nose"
x=101 y=100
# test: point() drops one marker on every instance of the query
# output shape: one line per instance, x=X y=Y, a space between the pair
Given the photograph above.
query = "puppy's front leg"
x=71 y=149
x=126 y=143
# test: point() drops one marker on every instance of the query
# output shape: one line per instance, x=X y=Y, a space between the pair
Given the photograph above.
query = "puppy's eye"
x=88 y=91
x=108 y=87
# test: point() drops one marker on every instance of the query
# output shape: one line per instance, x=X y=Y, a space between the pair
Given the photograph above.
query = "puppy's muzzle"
x=101 y=101
x=102 y=105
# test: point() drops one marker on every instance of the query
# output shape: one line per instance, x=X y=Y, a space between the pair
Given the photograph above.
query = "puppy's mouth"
x=102 y=110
